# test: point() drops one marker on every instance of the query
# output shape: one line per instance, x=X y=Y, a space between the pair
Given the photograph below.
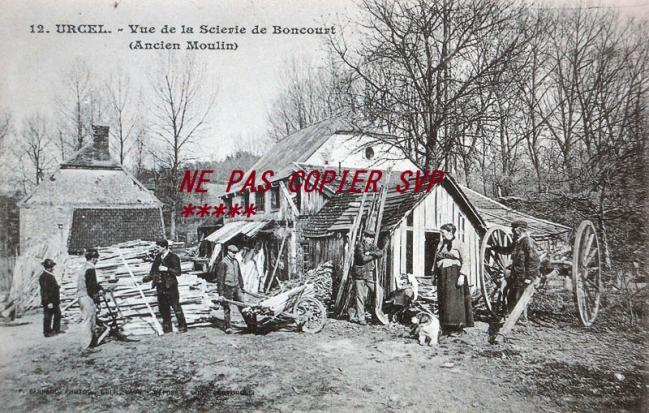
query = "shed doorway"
x=430 y=247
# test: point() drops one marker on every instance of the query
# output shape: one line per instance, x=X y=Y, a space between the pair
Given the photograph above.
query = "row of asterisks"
x=191 y=210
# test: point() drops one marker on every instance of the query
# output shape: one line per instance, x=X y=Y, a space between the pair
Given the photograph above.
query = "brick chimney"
x=100 y=151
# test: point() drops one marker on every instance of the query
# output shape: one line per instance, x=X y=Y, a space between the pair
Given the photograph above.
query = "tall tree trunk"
x=172 y=221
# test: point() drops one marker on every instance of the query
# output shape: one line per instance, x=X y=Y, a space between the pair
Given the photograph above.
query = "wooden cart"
x=295 y=306
x=585 y=268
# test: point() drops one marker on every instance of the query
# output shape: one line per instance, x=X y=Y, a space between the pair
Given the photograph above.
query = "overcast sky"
x=32 y=65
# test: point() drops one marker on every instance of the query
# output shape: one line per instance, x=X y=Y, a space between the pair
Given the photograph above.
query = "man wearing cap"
x=164 y=272
x=525 y=262
x=88 y=291
x=50 y=299
x=230 y=282
x=365 y=252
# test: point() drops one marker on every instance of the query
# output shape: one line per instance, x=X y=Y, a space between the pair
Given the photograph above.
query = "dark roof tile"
x=94 y=227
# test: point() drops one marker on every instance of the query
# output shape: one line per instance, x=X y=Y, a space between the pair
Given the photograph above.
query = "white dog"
x=426 y=328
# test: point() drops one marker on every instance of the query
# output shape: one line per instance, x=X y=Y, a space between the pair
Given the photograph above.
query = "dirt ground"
x=346 y=367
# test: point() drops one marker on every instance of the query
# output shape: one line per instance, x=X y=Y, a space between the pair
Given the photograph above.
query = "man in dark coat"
x=525 y=262
x=50 y=299
x=163 y=274
x=365 y=253
x=230 y=282
x=88 y=291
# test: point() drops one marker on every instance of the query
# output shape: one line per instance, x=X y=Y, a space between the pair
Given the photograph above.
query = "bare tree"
x=140 y=151
x=182 y=103
x=419 y=64
x=7 y=161
x=612 y=98
x=80 y=106
x=573 y=40
x=5 y=128
x=593 y=108
x=252 y=144
x=531 y=77
x=123 y=113
x=34 y=150
x=308 y=94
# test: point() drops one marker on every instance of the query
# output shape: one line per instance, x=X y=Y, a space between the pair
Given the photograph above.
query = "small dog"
x=426 y=328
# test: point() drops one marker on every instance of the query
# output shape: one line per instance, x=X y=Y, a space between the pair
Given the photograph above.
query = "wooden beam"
x=518 y=310
x=156 y=324
x=349 y=256
x=279 y=256
x=378 y=288
x=289 y=200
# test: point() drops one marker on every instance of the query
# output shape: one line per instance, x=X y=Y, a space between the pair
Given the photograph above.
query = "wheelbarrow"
x=296 y=306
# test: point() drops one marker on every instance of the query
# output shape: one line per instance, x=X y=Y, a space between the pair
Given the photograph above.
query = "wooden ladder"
x=344 y=288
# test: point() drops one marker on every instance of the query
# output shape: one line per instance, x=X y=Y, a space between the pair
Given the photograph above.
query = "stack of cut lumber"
x=277 y=303
x=134 y=315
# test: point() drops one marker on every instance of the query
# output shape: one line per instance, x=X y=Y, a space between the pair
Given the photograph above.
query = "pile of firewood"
x=320 y=277
x=427 y=289
x=127 y=288
x=257 y=310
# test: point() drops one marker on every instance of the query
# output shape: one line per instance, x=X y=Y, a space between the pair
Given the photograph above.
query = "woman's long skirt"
x=454 y=302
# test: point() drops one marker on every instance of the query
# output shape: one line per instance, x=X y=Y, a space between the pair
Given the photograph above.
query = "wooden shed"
x=410 y=228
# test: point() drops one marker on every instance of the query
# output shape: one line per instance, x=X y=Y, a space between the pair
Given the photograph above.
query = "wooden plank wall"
x=312 y=202
x=436 y=210
x=328 y=249
x=332 y=249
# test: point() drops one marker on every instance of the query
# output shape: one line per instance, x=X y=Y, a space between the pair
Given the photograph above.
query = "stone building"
x=90 y=201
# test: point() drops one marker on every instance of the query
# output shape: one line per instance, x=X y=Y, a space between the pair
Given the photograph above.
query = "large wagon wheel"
x=494 y=265
x=310 y=315
x=586 y=272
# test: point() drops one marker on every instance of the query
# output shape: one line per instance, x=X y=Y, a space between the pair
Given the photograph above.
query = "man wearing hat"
x=365 y=253
x=525 y=263
x=88 y=291
x=164 y=273
x=230 y=282
x=50 y=299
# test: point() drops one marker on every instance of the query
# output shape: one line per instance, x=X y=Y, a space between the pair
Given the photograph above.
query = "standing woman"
x=453 y=294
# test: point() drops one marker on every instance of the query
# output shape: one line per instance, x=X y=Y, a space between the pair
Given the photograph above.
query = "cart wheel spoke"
x=492 y=270
x=592 y=283
x=590 y=256
x=310 y=315
x=586 y=272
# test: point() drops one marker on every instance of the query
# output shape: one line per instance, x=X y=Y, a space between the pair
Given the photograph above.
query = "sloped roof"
x=91 y=178
x=101 y=188
x=495 y=213
x=100 y=227
x=215 y=190
x=299 y=146
x=232 y=229
x=339 y=212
